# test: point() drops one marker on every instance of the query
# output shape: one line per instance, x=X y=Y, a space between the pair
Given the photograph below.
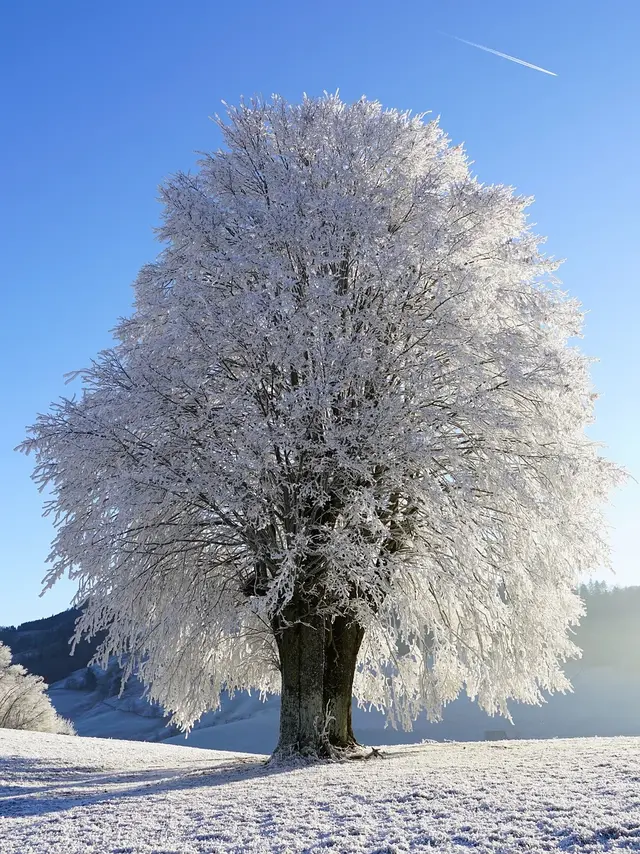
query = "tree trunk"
x=317 y=664
x=301 y=649
x=342 y=644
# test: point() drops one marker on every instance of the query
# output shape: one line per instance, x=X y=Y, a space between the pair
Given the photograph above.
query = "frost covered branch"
x=346 y=406
x=24 y=703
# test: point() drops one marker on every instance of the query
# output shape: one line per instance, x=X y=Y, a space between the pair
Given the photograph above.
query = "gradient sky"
x=101 y=101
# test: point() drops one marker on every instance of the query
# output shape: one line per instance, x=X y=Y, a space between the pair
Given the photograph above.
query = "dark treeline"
x=609 y=634
x=43 y=646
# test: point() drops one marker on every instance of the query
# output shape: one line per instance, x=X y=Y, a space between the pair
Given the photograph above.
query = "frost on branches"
x=339 y=446
x=24 y=703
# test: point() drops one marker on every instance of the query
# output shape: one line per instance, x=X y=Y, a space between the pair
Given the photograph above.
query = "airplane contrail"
x=504 y=55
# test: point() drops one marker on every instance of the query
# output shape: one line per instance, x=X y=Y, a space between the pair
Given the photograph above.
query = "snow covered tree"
x=24 y=703
x=338 y=448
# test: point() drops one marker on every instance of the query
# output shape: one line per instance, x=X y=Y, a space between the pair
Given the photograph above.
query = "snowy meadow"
x=64 y=794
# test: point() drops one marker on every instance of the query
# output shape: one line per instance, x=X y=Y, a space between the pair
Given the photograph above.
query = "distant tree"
x=594 y=588
x=24 y=703
x=339 y=446
x=609 y=635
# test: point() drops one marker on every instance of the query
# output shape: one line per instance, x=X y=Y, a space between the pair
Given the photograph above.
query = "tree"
x=24 y=703
x=339 y=445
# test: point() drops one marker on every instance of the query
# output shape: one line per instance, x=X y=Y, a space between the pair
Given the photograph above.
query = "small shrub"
x=24 y=703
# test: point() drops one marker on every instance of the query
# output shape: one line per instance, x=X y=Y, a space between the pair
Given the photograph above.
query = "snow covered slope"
x=99 y=711
x=63 y=795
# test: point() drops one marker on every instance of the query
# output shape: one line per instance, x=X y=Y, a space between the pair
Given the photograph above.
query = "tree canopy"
x=343 y=431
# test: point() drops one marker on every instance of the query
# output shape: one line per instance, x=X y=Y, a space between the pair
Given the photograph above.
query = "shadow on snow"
x=57 y=789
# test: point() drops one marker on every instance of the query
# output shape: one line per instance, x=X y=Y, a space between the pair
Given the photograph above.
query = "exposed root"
x=373 y=753
x=321 y=748
x=296 y=757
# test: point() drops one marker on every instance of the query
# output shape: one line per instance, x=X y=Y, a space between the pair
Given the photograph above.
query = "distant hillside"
x=610 y=632
x=42 y=646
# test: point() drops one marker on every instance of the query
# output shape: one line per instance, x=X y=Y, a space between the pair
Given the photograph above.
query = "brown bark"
x=342 y=644
x=301 y=650
x=317 y=663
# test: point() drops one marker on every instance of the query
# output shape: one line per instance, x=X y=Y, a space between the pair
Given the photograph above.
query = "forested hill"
x=610 y=632
x=43 y=647
x=608 y=635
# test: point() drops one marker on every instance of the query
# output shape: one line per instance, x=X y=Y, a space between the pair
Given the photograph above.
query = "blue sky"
x=102 y=101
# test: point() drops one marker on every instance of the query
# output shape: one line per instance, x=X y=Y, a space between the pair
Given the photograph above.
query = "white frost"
x=62 y=795
x=347 y=375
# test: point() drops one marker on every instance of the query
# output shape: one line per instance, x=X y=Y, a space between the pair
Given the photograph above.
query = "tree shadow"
x=63 y=788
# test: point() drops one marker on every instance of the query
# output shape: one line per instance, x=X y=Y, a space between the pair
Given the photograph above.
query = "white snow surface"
x=64 y=794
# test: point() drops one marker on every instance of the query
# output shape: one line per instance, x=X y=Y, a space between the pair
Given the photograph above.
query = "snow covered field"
x=62 y=794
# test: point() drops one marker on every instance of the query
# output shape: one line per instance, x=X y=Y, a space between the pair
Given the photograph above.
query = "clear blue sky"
x=101 y=101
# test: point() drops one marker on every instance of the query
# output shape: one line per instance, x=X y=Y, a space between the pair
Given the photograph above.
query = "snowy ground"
x=62 y=794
